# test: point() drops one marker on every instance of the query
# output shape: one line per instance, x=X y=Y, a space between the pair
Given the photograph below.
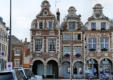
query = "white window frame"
x=69 y=34
x=35 y=47
x=48 y=44
x=52 y=24
x=42 y=24
x=15 y=51
x=104 y=43
x=67 y=49
x=93 y=27
x=72 y=21
x=92 y=43
x=16 y=65
x=105 y=25
x=75 y=52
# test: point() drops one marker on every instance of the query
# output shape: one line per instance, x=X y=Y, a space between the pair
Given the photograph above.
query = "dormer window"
x=41 y=25
x=72 y=25
x=93 y=26
x=103 y=25
x=50 y=24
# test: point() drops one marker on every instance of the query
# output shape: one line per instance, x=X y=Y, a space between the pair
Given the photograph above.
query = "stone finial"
x=45 y=4
x=72 y=10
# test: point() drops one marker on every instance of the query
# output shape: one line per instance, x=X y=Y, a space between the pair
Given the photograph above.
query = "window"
x=38 y=44
x=93 y=26
x=103 y=25
x=92 y=44
x=77 y=49
x=16 y=62
x=67 y=50
x=51 y=45
x=17 y=51
x=50 y=25
x=67 y=36
x=77 y=37
x=45 y=13
x=41 y=25
x=72 y=25
x=104 y=42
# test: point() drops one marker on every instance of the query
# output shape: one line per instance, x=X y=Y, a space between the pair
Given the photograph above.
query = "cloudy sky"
x=24 y=11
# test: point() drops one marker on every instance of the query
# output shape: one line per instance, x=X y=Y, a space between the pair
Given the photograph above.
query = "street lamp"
x=9 y=47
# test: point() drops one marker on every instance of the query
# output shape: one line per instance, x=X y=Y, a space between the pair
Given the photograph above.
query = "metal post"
x=9 y=49
x=71 y=56
x=84 y=52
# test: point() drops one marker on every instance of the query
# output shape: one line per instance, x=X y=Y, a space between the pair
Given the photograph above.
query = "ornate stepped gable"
x=98 y=13
x=72 y=16
x=44 y=15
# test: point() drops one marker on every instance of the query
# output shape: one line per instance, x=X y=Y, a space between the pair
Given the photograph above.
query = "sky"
x=24 y=11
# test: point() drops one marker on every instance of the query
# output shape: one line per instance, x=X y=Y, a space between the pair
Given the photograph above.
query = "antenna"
x=55 y=3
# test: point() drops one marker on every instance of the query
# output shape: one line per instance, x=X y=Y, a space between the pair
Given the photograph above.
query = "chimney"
x=25 y=40
x=58 y=15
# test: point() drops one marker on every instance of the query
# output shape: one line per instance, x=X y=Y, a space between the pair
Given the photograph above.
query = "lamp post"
x=9 y=47
x=71 y=55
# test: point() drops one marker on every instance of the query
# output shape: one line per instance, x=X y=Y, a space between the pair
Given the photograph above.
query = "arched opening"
x=92 y=69
x=78 y=69
x=38 y=68
x=105 y=68
x=65 y=71
x=52 y=69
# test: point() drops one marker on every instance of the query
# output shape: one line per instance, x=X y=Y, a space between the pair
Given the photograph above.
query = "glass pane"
x=106 y=40
x=38 y=45
x=75 y=37
x=94 y=46
x=67 y=36
x=93 y=25
x=89 y=40
x=52 y=45
x=6 y=76
x=67 y=50
x=71 y=25
x=102 y=40
x=50 y=24
x=40 y=25
x=103 y=25
x=102 y=46
x=94 y=40
x=106 y=46
x=89 y=46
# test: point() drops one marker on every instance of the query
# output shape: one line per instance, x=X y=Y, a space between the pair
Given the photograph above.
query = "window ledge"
x=16 y=54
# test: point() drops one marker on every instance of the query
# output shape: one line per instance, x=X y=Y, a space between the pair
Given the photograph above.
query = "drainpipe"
x=84 y=52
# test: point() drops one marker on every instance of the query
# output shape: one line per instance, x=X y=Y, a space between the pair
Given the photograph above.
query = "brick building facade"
x=45 y=41
x=86 y=48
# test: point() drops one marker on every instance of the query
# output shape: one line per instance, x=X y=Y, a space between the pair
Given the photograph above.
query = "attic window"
x=45 y=13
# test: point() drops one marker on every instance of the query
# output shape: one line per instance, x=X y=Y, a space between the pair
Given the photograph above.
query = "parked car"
x=25 y=74
x=8 y=75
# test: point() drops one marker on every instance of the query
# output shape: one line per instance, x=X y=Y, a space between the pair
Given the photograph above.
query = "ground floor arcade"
x=92 y=68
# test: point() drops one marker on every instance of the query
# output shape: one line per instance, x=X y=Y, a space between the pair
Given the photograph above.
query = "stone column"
x=98 y=70
x=60 y=70
x=45 y=70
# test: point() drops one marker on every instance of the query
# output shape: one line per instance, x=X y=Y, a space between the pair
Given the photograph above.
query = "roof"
x=15 y=41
